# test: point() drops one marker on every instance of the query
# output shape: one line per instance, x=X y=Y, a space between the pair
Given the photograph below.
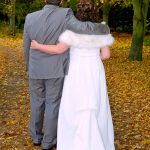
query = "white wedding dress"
x=85 y=121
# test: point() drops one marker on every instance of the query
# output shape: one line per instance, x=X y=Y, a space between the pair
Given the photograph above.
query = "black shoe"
x=50 y=148
x=37 y=144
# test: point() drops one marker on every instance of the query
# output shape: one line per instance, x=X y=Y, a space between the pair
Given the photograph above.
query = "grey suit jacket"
x=45 y=26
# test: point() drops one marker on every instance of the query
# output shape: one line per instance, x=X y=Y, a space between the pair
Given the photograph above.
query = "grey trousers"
x=45 y=95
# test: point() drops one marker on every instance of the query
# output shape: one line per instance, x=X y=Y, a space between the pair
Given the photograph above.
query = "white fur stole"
x=86 y=41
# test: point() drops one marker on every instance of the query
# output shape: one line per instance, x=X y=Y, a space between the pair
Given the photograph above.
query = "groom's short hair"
x=53 y=2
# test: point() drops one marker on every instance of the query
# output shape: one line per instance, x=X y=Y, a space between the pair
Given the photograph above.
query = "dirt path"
x=14 y=103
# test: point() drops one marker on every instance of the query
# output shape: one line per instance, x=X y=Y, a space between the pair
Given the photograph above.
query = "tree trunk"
x=88 y=11
x=139 y=21
x=12 y=18
x=106 y=9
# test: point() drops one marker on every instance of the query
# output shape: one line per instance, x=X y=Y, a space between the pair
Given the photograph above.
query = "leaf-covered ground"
x=128 y=87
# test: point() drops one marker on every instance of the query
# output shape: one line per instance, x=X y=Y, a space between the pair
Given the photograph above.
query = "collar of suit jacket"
x=86 y=41
x=50 y=7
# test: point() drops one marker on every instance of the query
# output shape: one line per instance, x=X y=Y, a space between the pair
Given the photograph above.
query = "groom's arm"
x=87 y=27
x=26 y=44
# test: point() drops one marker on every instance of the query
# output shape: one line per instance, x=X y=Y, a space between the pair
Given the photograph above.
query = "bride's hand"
x=34 y=45
x=105 y=53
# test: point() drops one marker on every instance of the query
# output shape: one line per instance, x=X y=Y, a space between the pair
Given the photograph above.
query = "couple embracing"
x=68 y=94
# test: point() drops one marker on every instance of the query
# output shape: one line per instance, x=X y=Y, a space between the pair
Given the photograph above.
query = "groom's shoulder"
x=34 y=13
x=67 y=10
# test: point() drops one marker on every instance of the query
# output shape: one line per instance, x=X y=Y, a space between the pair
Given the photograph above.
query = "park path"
x=14 y=102
x=128 y=88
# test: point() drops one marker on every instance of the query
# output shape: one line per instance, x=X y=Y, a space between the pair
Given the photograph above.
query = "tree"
x=12 y=17
x=107 y=4
x=106 y=8
x=88 y=10
x=139 y=22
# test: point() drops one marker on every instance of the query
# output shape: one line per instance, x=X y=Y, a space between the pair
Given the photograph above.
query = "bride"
x=85 y=121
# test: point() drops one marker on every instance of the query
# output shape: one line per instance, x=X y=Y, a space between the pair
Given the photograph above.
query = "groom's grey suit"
x=46 y=72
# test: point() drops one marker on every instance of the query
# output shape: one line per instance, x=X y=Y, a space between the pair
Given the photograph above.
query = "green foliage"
x=2 y=5
x=5 y=7
x=147 y=26
x=123 y=3
x=3 y=29
x=21 y=9
x=36 y=5
x=121 y=18
x=64 y=3
x=73 y=4
x=147 y=41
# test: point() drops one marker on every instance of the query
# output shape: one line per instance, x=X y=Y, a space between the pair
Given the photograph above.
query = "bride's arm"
x=105 y=53
x=50 y=49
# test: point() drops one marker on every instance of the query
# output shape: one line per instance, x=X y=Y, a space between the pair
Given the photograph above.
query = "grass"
x=147 y=40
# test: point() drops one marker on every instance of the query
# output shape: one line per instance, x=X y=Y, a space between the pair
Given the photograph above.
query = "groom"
x=46 y=72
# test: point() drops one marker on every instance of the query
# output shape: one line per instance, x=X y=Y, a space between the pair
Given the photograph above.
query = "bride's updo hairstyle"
x=53 y=2
x=87 y=11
